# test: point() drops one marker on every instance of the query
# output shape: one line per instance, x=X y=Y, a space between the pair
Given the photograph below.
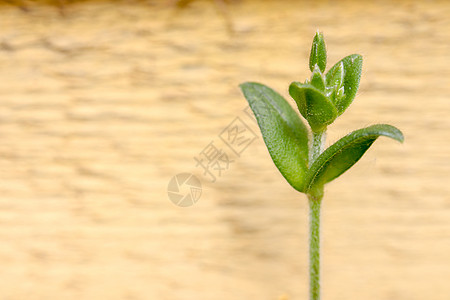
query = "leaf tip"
x=399 y=136
x=244 y=84
x=318 y=54
x=392 y=132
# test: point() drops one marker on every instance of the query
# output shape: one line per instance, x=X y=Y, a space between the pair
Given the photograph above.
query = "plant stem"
x=318 y=142
x=315 y=200
x=314 y=247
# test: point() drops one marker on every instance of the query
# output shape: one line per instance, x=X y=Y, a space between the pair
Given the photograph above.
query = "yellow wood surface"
x=102 y=105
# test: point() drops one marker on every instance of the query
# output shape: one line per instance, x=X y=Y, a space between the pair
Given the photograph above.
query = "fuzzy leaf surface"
x=317 y=79
x=318 y=55
x=284 y=133
x=343 y=154
x=352 y=67
x=314 y=106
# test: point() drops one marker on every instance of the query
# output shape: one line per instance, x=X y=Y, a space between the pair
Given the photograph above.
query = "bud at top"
x=318 y=54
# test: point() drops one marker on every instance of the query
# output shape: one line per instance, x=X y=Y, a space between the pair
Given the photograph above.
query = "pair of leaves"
x=325 y=98
x=286 y=138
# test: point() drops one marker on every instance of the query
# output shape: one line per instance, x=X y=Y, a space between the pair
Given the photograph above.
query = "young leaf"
x=335 y=77
x=284 y=133
x=317 y=79
x=352 y=66
x=318 y=55
x=314 y=106
x=343 y=154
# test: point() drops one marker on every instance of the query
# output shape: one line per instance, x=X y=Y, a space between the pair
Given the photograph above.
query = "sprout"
x=298 y=154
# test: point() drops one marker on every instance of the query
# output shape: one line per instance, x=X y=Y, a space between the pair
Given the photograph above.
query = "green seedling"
x=298 y=150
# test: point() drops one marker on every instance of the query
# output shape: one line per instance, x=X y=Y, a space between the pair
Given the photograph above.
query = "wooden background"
x=102 y=104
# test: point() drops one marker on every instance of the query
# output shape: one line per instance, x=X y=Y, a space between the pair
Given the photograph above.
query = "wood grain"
x=100 y=108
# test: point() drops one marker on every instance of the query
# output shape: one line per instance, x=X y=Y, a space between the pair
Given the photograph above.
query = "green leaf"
x=317 y=79
x=343 y=154
x=335 y=76
x=318 y=55
x=352 y=67
x=314 y=106
x=283 y=131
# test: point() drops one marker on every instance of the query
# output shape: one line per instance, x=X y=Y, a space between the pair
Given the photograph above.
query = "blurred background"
x=102 y=103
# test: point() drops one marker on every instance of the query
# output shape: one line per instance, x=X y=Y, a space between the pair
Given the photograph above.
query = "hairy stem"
x=314 y=247
x=315 y=200
x=318 y=143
